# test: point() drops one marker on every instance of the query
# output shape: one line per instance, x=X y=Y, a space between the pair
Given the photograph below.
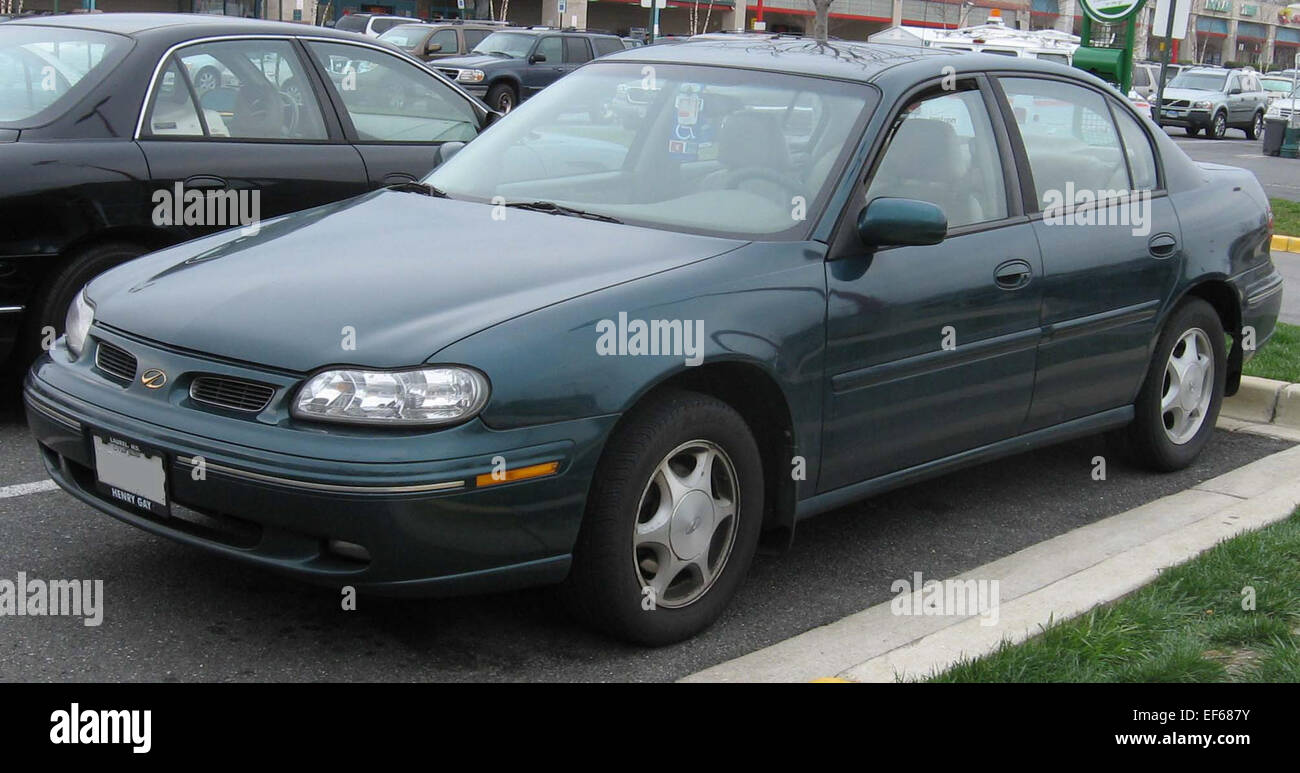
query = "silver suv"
x=1215 y=99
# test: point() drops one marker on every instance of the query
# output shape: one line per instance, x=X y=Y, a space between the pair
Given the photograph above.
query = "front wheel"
x=1179 y=401
x=1256 y=128
x=1218 y=127
x=672 y=521
x=502 y=98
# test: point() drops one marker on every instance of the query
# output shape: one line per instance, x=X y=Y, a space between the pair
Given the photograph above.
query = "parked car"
x=632 y=42
x=370 y=24
x=439 y=40
x=511 y=65
x=1213 y=100
x=1277 y=87
x=273 y=118
x=806 y=275
x=1146 y=76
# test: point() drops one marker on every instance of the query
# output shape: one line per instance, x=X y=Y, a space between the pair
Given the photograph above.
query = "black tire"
x=502 y=98
x=1256 y=128
x=1145 y=441
x=56 y=293
x=605 y=587
x=1218 y=126
x=1192 y=131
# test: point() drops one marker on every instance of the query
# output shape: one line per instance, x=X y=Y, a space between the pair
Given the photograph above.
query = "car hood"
x=469 y=62
x=404 y=274
x=1192 y=94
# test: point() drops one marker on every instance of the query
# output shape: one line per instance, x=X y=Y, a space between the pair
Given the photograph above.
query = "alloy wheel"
x=686 y=523
x=1188 y=386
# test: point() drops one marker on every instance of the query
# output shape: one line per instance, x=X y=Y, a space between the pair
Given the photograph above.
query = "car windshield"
x=710 y=150
x=1280 y=85
x=351 y=23
x=406 y=36
x=510 y=44
x=43 y=69
x=1206 y=81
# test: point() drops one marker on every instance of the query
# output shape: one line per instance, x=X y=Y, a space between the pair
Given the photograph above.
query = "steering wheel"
x=294 y=111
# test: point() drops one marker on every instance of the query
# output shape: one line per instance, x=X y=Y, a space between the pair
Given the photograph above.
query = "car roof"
x=179 y=25
x=846 y=60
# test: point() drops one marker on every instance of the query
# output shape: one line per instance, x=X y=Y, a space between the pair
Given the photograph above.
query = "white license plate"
x=130 y=474
x=1174 y=113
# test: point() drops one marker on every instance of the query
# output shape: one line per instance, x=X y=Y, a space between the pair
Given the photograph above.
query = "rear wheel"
x=672 y=521
x=1179 y=402
x=59 y=290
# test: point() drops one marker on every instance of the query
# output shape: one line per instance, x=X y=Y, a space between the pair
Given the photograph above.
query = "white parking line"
x=23 y=489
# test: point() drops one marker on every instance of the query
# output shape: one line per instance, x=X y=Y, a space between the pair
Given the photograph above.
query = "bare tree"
x=821 y=18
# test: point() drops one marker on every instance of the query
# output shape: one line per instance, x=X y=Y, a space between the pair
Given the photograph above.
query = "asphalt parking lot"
x=1279 y=176
x=173 y=614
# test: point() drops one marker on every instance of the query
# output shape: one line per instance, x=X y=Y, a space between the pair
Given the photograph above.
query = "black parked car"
x=511 y=65
x=99 y=125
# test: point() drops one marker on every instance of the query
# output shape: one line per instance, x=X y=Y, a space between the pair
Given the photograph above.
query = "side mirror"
x=448 y=149
x=890 y=222
x=535 y=58
x=1233 y=91
x=433 y=48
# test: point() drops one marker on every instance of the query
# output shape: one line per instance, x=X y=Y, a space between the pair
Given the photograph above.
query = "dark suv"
x=511 y=65
x=441 y=39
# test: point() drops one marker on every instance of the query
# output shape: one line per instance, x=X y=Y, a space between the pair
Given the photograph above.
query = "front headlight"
x=428 y=396
x=77 y=323
x=470 y=76
x=1202 y=105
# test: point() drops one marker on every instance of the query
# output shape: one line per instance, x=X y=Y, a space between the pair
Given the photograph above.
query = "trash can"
x=1291 y=142
x=1274 y=131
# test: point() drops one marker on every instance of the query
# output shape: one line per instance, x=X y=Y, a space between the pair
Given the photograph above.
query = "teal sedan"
x=617 y=353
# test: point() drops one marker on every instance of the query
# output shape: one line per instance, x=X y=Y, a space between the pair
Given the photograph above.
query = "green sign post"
x=1109 y=63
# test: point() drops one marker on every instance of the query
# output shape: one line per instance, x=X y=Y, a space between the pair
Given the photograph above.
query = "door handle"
x=206 y=182
x=1013 y=274
x=1162 y=245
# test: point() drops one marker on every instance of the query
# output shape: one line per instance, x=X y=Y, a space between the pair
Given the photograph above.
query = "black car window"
x=391 y=100
x=383 y=25
x=1141 y=78
x=576 y=50
x=1069 y=137
x=352 y=23
x=607 y=45
x=474 y=37
x=253 y=90
x=447 y=39
x=1137 y=145
x=552 y=47
x=942 y=150
x=44 y=70
x=172 y=112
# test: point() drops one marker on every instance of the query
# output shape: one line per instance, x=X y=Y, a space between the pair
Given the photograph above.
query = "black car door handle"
x=1013 y=274
x=206 y=182
x=1162 y=245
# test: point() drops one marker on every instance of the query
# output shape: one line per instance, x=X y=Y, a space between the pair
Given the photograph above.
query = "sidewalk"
x=1052 y=580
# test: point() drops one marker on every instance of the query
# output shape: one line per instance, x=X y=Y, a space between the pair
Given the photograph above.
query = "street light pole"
x=1164 y=59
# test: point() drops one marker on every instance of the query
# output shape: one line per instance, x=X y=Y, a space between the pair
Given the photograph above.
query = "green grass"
x=1286 y=217
x=1280 y=357
x=1187 y=626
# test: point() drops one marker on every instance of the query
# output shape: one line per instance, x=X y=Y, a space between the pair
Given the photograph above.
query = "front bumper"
x=1195 y=119
x=284 y=497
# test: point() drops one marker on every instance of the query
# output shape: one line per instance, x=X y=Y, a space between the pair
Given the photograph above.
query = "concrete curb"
x=1286 y=243
x=1264 y=401
x=1051 y=581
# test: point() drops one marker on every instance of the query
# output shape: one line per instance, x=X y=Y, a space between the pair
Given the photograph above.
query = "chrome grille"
x=1177 y=103
x=234 y=394
x=115 y=361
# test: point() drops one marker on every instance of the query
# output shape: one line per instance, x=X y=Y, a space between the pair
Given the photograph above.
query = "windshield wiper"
x=417 y=187
x=550 y=207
